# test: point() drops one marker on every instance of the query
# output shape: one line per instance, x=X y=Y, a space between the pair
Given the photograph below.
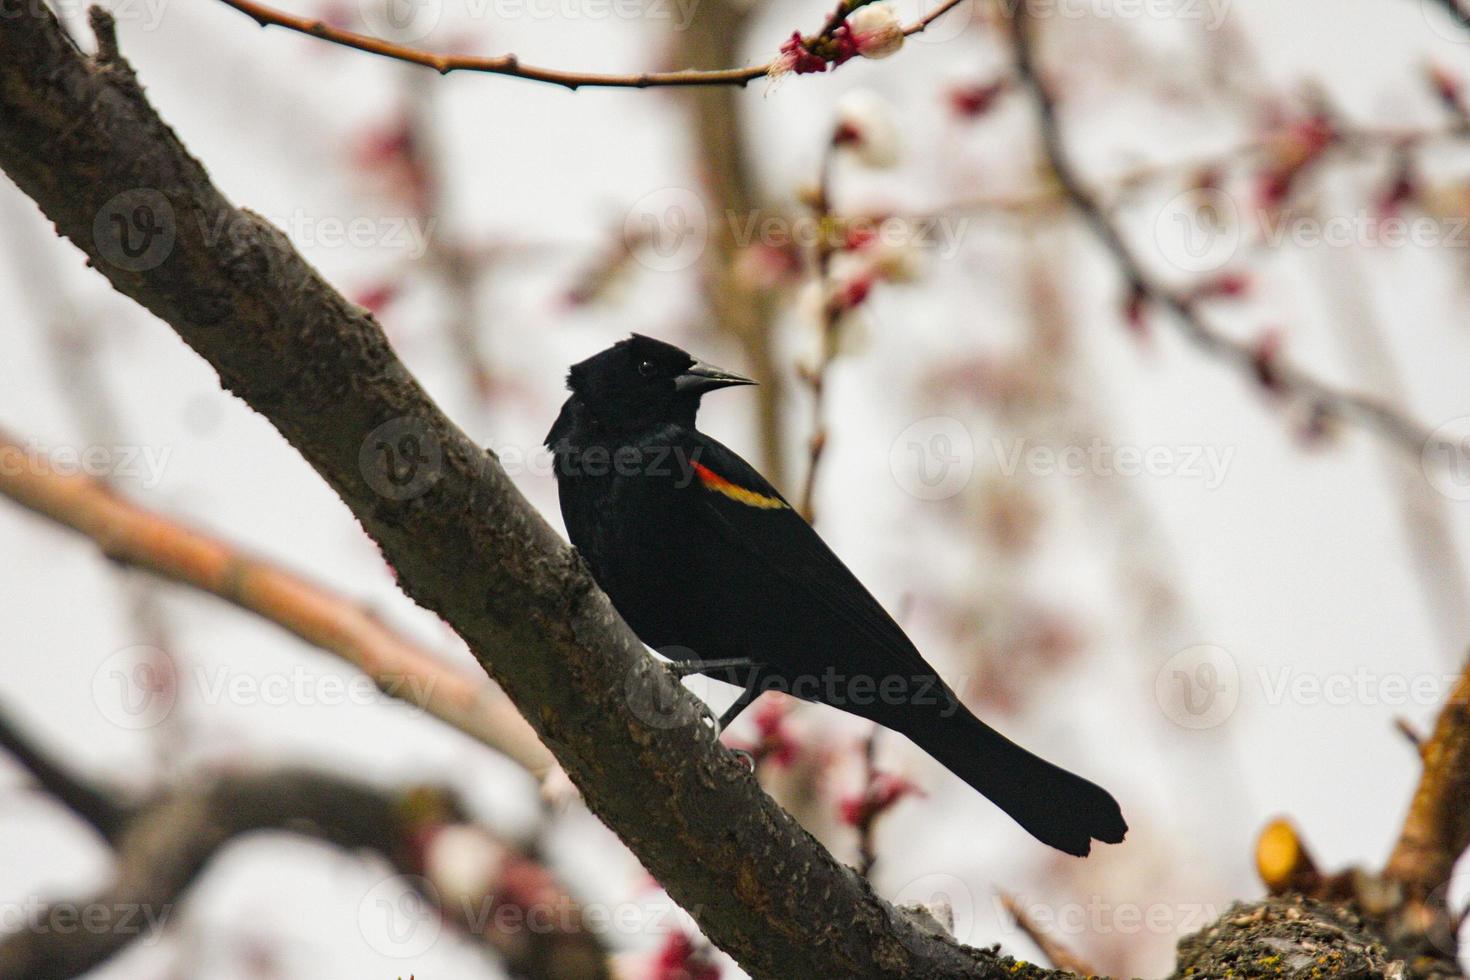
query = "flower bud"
x=876 y=30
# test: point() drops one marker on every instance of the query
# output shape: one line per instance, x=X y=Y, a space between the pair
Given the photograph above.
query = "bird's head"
x=641 y=381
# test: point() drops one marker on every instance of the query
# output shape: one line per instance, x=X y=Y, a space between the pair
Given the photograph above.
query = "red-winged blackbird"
x=712 y=567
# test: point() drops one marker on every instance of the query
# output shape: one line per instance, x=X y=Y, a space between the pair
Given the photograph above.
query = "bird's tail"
x=1057 y=807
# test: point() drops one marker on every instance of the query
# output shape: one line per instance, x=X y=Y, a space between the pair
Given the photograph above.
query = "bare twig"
x=131 y=535
x=867 y=846
x=101 y=811
x=833 y=312
x=509 y=64
x=1248 y=358
x=1055 y=951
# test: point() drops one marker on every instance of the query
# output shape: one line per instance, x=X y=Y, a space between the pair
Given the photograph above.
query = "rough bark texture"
x=76 y=132
x=1287 y=937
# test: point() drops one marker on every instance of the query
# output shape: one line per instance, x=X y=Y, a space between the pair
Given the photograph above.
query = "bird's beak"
x=701 y=377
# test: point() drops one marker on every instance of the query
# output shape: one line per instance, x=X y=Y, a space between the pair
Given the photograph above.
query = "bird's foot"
x=745 y=756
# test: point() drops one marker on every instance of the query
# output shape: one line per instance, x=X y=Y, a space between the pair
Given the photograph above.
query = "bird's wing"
x=746 y=512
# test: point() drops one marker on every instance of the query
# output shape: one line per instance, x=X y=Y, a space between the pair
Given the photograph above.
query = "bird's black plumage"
x=706 y=561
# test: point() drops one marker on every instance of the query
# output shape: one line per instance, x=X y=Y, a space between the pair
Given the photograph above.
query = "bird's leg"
x=751 y=692
x=683 y=668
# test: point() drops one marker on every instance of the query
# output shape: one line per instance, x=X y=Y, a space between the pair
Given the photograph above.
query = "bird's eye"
x=647 y=369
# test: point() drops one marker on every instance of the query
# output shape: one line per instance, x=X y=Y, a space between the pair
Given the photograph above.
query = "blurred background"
x=1150 y=560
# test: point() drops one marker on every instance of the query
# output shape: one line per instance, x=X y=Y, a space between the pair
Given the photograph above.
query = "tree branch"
x=130 y=535
x=509 y=64
x=168 y=843
x=1436 y=831
x=1246 y=357
x=100 y=811
x=75 y=133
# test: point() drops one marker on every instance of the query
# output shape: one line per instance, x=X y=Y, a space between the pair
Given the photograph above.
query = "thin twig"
x=831 y=326
x=104 y=814
x=1052 y=948
x=867 y=847
x=1411 y=734
x=1246 y=357
x=509 y=64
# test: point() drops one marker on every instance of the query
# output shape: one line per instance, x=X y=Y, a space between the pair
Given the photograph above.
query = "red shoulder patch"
x=750 y=498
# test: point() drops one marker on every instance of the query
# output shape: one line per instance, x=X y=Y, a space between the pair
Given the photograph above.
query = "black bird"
x=711 y=566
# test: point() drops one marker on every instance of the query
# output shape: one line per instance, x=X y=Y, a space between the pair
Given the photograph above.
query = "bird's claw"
x=745 y=756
